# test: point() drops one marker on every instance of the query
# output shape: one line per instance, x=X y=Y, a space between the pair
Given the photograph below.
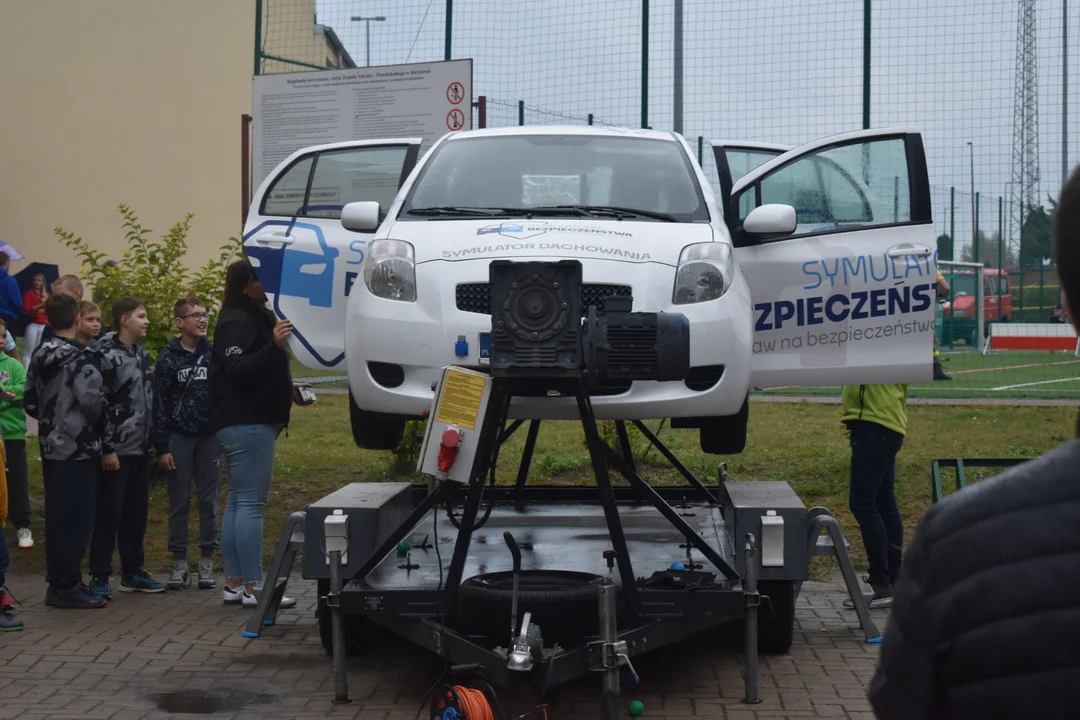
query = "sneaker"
x=26 y=540
x=233 y=597
x=76 y=598
x=180 y=577
x=9 y=623
x=7 y=600
x=206 y=575
x=881 y=596
x=251 y=600
x=100 y=586
x=141 y=581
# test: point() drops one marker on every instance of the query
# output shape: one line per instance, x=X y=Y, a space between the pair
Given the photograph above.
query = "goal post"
x=964 y=311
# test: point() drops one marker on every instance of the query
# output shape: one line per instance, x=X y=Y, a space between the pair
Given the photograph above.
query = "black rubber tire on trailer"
x=776 y=617
x=725 y=435
x=374 y=431
x=354 y=626
x=564 y=604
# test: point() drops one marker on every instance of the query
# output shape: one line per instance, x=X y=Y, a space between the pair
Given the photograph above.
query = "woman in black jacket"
x=250 y=399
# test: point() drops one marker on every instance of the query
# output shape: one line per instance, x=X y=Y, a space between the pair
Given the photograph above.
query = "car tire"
x=374 y=431
x=725 y=435
x=355 y=627
x=776 y=617
x=564 y=604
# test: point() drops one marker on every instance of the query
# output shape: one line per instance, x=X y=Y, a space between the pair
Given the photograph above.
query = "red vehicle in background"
x=959 y=316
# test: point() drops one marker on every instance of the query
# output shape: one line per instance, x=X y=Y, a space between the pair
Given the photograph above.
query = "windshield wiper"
x=454 y=211
x=618 y=212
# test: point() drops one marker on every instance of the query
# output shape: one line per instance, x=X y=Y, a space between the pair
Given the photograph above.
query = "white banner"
x=296 y=110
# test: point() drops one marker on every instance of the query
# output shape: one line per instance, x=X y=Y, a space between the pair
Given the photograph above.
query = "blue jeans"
x=249 y=466
x=872 y=498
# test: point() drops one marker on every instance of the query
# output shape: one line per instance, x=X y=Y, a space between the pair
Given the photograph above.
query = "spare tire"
x=564 y=604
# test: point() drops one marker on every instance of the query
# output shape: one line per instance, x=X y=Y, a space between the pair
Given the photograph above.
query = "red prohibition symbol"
x=455 y=119
x=455 y=93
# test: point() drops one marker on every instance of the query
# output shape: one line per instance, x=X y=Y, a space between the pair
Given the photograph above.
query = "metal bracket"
x=604 y=656
x=333 y=600
x=752 y=599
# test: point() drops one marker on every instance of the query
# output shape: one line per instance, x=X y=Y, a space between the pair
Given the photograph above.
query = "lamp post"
x=367 y=33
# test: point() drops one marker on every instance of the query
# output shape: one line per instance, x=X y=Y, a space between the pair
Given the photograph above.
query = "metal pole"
x=337 y=626
x=1001 y=252
x=1020 y=262
x=644 y=63
x=975 y=233
x=678 y=82
x=449 y=27
x=866 y=66
x=521 y=112
x=751 y=630
x=700 y=148
x=367 y=41
x=952 y=220
x=974 y=222
x=258 y=36
x=590 y=118
x=609 y=635
x=245 y=168
x=481 y=111
x=1064 y=91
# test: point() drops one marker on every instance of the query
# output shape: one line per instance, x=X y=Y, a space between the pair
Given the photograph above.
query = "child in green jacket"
x=13 y=425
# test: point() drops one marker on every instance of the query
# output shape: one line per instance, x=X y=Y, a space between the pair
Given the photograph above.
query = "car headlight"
x=390 y=270
x=705 y=273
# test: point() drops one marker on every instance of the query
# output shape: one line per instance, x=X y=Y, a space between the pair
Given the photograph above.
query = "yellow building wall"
x=121 y=101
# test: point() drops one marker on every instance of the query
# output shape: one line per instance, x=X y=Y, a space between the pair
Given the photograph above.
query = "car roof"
x=608 y=131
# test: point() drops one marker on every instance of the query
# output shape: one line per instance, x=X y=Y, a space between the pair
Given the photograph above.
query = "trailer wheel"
x=564 y=604
x=354 y=626
x=776 y=617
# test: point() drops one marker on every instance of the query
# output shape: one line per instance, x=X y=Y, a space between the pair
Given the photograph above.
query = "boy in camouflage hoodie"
x=64 y=394
x=123 y=495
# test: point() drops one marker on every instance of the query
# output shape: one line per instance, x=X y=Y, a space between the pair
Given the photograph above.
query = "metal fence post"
x=258 y=36
x=521 y=112
x=677 y=100
x=700 y=146
x=1020 y=262
x=866 y=66
x=449 y=27
x=644 y=63
x=1001 y=253
x=590 y=118
x=952 y=217
x=975 y=230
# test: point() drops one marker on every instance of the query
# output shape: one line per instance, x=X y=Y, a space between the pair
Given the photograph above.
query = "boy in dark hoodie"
x=123 y=496
x=64 y=394
x=185 y=446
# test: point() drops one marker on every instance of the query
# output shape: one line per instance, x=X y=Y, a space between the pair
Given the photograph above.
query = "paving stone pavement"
x=131 y=659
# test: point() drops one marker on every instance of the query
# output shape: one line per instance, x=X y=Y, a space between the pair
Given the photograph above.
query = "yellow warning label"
x=461 y=399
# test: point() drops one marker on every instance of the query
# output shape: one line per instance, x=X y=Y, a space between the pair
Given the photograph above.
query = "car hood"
x=622 y=241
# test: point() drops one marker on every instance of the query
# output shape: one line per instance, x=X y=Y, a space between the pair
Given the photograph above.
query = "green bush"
x=153 y=271
x=640 y=446
x=407 y=454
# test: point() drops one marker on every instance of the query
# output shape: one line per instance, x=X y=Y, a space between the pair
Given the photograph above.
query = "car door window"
x=285 y=198
x=353 y=175
x=846 y=187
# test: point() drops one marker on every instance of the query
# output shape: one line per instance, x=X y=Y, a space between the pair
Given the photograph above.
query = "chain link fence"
x=985 y=81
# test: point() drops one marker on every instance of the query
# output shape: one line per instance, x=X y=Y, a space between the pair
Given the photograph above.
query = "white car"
x=819 y=271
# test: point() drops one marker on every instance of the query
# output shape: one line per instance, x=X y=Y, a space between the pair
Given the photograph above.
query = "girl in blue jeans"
x=250 y=400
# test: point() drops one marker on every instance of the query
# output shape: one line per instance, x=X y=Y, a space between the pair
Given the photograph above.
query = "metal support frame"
x=960 y=465
x=833 y=543
x=289 y=543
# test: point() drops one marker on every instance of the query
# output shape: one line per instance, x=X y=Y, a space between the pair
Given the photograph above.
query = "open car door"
x=306 y=261
x=735 y=158
x=836 y=243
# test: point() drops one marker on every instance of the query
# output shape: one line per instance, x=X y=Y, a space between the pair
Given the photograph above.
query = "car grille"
x=476 y=297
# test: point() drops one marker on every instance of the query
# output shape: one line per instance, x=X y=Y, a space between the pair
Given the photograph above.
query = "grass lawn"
x=1002 y=374
x=803 y=444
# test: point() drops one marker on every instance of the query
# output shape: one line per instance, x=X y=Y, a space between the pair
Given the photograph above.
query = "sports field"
x=1001 y=374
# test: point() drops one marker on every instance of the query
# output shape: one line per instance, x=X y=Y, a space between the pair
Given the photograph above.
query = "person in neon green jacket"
x=13 y=426
x=876 y=418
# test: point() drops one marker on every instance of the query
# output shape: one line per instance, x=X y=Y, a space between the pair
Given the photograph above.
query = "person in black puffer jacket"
x=250 y=400
x=986 y=621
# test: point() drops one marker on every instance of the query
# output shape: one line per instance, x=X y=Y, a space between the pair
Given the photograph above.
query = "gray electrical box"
x=375 y=510
x=777 y=517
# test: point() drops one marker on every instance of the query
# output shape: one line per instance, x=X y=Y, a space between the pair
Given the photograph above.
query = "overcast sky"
x=785 y=71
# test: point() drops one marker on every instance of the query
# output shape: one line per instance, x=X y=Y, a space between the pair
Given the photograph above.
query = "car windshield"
x=557 y=176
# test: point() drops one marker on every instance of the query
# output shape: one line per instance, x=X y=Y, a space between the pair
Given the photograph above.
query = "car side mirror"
x=360 y=216
x=773 y=220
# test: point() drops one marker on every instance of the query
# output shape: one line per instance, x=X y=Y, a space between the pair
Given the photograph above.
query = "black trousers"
x=123 y=499
x=17 y=477
x=70 y=489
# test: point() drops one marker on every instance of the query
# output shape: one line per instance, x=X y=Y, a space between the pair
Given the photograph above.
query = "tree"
x=154 y=272
x=944 y=247
x=1035 y=235
x=988 y=251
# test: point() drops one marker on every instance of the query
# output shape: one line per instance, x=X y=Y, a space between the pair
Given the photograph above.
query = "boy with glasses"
x=185 y=446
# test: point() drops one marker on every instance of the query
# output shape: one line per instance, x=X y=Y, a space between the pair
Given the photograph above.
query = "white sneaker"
x=233 y=597
x=26 y=540
x=250 y=601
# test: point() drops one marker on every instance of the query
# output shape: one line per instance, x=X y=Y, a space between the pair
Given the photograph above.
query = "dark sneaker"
x=141 y=582
x=9 y=623
x=100 y=587
x=880 y=595
x=76 y=598
x=206 y=575
x=180 y=577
